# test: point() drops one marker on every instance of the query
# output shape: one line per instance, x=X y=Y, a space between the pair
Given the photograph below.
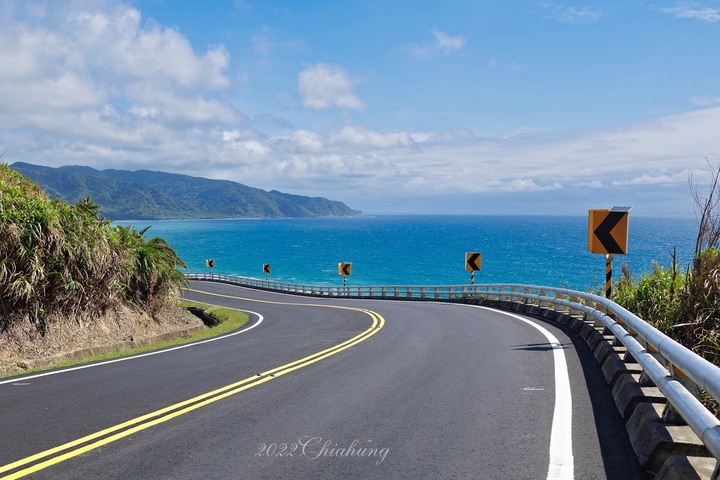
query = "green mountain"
x=143 y=194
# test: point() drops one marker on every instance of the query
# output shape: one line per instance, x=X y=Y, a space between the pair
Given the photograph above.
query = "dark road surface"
x=401 y=390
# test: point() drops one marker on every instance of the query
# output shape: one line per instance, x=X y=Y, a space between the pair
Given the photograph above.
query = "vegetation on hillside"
x=124 y=195
x=57 y=258
x=685 y=303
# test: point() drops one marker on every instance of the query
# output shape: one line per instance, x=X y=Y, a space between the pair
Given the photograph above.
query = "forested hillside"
x=142 y=194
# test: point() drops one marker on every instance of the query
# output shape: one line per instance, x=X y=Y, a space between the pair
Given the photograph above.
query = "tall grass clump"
x=57 y=258
x=655 y=297
x=686 y=305
x=698 y=319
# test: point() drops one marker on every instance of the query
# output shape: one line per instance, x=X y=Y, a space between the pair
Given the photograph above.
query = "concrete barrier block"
x=506 y=305
x=563 y=318
x=594 y=338
x=628 y=394
x=585 y=329
x=687 y=468
x=654 y=442
x=613 y=368
x=590 y=331
x=576 y=323
x=603 y=351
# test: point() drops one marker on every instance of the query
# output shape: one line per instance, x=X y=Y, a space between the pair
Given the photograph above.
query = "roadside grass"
x=230 y=320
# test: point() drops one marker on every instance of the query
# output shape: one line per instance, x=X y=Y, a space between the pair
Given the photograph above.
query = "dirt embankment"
x=22 y=347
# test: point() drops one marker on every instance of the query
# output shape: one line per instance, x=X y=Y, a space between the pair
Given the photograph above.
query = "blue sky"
x=457 y=107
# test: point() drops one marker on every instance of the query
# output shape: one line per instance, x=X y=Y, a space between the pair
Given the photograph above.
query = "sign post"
x=473 y=263
x=210 y=263
x=608 y=274
x=266 y=270
x=344 y=269
x=608 y=235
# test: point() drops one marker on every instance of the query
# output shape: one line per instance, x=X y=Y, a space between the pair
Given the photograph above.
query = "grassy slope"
x=231 y=320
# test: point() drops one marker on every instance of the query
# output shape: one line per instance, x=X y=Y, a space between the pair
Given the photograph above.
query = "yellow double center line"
x=77 y=447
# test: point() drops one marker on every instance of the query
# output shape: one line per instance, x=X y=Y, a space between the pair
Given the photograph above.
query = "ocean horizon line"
x=683 y=216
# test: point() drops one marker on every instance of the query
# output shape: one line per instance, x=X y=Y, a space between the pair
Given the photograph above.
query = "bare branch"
x=707 y=210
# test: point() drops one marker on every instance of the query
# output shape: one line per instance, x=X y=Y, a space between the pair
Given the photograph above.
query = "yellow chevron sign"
x=608 y=231
x=266 y=268
x=344 y=268
x=473 y=261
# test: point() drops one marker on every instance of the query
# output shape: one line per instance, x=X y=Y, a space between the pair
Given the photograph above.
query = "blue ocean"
x=421 y=250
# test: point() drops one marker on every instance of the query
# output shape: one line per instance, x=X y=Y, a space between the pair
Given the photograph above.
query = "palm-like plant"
x=153 y=273
x=60 y=258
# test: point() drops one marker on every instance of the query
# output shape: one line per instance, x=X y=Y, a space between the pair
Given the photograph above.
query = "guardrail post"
x=670 y=413
x=574 y=310
x=543 y=303
x=645 y=380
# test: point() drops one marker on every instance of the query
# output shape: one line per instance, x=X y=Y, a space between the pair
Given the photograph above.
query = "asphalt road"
x=383 y=389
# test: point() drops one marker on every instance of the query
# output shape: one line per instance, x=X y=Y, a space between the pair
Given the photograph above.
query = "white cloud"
x=694 y=11
x=593 y=184
x=370 y=139
x=93 y=83
x=265 y=44
x=705 y=100
x=119 y=42
x=572 y=15
x=659 y=179
x=247 y=141
x=658 y=153
x=65 y=92
x=307 y=141
x=180 y=108
x=442 y=43
x=145 y=111
x=253 y=148
x=102 y=51
x=527 y=185
x=447 y=43
x=324 y=86
x=231 y=135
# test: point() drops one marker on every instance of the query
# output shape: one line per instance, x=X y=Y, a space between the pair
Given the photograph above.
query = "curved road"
x=328 y=388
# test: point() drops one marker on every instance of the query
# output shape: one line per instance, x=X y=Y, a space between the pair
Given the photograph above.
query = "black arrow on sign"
x=266 y=268
x=472 y=261
x=346 y=269
x=602 y=232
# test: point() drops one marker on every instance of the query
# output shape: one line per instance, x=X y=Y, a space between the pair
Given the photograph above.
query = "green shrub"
x=698 y=322
x=60 y=258
x=654 y=297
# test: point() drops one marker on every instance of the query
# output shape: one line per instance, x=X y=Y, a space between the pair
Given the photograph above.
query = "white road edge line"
x=561 y=454
x=123 y=359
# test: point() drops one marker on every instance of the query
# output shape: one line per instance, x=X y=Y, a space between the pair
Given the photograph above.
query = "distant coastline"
x=360 y=214
x=150 y=195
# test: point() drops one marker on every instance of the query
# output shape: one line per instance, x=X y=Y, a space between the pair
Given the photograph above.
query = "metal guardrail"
x=667 y=363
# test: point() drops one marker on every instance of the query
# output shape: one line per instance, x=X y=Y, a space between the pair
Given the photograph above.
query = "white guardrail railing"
x=667 y=363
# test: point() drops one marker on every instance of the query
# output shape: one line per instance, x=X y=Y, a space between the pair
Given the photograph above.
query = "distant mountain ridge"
x=145 y=195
